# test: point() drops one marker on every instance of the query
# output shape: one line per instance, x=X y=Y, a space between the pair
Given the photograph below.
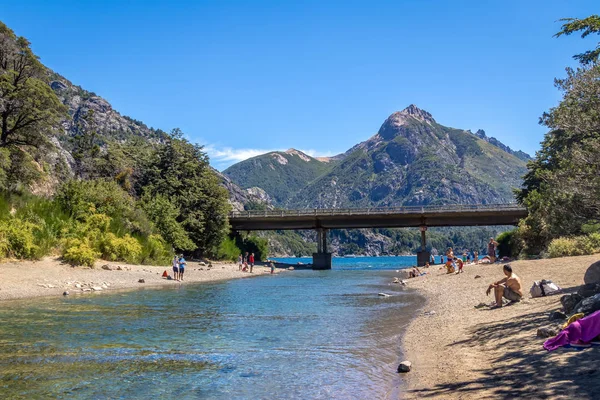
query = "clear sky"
x=245 y=77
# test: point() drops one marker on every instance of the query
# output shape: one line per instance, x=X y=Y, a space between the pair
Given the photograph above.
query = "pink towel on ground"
x=583 y=330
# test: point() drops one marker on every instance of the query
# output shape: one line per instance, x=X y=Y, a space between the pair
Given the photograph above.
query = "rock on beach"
x=405 y=366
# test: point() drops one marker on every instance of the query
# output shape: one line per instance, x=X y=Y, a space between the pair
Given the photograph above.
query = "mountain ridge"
x=411 y=160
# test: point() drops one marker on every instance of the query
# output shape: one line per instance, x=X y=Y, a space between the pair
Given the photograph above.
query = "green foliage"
x=17 y=239
x=253 y=244
x=574 y=246
x=179 y=171
x=587 y=26
x=509 y=244
x=79 y=252
x=228 y=250
x=164 y=214
x=155 y=250
x=562 y=187
x=30 y=108
x=102 y=196
x=124 y=248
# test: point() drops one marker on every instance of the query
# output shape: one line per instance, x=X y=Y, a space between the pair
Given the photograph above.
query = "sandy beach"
x=51 y=277
x=460 y=352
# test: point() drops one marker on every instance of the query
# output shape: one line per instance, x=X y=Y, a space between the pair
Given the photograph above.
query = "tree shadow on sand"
x=524 y=369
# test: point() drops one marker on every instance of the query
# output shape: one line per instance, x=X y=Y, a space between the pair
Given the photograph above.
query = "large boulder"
x=592 y=275
x=589 y=305
x=589 y=290
x=570 y=301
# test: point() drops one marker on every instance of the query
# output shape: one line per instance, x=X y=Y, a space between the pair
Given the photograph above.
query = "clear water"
x=296 y=335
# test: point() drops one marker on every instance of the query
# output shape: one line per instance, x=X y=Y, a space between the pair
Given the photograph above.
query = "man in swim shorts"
x=509 y=287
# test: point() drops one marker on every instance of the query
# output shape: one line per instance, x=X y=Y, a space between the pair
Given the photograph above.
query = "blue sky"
x=244 y=77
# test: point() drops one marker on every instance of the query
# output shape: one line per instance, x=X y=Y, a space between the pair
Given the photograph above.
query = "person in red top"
x=251 y=261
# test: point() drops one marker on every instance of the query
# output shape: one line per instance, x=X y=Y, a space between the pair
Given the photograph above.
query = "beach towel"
x=580 y=331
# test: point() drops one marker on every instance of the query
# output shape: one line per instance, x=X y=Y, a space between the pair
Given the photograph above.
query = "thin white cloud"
x=225 y=156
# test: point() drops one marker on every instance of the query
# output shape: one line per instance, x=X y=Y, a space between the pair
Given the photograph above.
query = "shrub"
x=155 y=250
x=574 y=246
x=79 y=252
x=509 y=244
x=17 y=239
x=228 y=250
x=124 y=248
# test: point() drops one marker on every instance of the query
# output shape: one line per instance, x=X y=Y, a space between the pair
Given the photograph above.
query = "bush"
x=509 y=244
x=17 y=239
x=99 y=196
x=228 y=250
x=79 y=252
x=254 y=244
x=575 y=246
x=155 y=250
x=124 y=248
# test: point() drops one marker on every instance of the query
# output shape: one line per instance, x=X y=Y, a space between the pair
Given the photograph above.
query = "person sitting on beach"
x=415 y=272
x=450 y=268
x=509 y=287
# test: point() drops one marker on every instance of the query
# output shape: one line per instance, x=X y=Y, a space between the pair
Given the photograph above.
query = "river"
x=294 y=335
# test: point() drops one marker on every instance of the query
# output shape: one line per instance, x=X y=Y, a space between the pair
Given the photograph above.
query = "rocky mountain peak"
x=417 y=113
x=294 y=152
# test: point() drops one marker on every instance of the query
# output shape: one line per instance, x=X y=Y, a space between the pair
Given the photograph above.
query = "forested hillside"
x=79 y=179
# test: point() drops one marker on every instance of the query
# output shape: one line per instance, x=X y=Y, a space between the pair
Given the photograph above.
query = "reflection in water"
x=300 y=335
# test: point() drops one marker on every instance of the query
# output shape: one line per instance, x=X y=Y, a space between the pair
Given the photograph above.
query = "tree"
x=588 y=26
x=562 y=186
x=29 y=109
x=179 y=171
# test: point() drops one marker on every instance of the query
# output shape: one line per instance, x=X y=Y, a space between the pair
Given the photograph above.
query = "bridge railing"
x=373 y=210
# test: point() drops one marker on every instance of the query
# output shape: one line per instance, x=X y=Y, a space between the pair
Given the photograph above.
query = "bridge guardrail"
x=373 y=210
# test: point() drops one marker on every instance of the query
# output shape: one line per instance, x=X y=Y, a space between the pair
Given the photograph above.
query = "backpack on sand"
x=544 y=288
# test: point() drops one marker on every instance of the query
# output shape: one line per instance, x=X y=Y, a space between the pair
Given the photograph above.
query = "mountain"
x=88 y=111
x=281 y=174
x=412 y=160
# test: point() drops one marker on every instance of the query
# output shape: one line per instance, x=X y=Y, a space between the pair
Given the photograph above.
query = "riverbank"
x=460 y=352
x=51 y=277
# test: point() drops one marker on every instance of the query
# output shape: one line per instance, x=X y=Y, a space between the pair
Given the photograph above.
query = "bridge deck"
x=457 y=215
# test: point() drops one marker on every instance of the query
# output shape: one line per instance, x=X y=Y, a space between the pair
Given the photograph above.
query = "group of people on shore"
x=178 y=267
x=246 y=261
x=456 y=264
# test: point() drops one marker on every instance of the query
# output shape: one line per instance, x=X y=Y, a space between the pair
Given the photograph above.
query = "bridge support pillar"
x=423 y=256
x=322 y=258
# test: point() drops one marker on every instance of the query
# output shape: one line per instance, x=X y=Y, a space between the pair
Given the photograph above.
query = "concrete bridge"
x=394 y=217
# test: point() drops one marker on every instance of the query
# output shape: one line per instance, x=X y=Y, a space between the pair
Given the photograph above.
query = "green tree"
x=164 y=214
x=29 y=109
x=587 y=26
x=562 y=186
x=179 y=171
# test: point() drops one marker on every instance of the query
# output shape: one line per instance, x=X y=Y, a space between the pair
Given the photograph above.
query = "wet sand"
x=51 y=277
x=465 y=353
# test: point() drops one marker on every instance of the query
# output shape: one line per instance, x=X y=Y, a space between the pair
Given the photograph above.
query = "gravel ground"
x=50 y=277
x=460 y=352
